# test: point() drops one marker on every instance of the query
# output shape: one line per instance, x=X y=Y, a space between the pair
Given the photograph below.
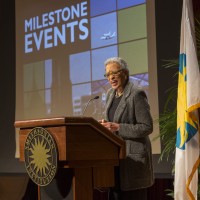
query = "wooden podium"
x=84 y=145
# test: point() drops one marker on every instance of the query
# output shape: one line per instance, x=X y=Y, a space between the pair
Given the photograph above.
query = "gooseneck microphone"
x=88 y=104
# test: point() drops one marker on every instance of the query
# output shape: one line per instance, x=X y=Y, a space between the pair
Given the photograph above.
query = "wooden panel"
x=58 y=133
x=103 y=177
x=22 y=138
x=109 y=144
x=90 y=163
x=85 y=143
x=83 y=184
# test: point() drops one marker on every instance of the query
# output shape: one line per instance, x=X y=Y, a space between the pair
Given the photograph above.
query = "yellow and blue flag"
x=188 y=103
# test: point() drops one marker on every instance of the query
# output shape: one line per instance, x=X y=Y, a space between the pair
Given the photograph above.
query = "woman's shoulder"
x=134 y=89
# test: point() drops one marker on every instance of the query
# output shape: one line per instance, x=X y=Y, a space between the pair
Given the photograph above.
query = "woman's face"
x=116 y=76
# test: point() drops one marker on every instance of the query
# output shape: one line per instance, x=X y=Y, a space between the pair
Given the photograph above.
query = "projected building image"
x=113 y=38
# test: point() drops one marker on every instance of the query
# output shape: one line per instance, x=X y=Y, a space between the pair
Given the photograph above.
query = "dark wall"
x=7 y=88
x=168 y=15
x=168 y=25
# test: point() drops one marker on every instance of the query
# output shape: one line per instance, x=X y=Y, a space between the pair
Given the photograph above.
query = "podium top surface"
x=53 y=121
x=71 y=121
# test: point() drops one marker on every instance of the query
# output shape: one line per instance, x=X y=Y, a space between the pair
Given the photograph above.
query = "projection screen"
x=61 y=47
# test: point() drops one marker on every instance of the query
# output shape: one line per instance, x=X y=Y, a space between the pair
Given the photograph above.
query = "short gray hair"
x=122 y=63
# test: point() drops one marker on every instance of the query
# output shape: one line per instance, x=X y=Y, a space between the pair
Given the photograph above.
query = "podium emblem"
x=40 y=154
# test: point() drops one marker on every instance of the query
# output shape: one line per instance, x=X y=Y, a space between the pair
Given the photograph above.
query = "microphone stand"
x=88 y=104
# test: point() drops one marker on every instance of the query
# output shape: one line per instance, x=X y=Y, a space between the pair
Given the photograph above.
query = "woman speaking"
x=127 y=115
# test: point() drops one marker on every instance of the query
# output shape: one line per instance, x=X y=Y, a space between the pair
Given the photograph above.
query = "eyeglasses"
x=116 y=73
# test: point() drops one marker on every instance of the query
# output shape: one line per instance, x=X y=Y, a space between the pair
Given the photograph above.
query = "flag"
x=188 y=103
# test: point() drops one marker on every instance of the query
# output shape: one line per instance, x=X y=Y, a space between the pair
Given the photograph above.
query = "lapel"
x=122 y=104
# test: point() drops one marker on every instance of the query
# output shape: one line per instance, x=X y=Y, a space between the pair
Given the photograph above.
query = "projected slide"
x=61 y=48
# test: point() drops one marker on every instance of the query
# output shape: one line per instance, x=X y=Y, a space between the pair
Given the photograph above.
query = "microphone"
x=96 y=97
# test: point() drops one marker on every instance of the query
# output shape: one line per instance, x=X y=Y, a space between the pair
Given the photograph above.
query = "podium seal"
x=40 y=154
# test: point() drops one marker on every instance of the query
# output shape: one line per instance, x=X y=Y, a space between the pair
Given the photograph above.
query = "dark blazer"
x=133 y=115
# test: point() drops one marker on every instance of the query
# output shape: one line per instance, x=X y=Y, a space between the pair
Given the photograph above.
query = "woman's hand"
x=110 y=125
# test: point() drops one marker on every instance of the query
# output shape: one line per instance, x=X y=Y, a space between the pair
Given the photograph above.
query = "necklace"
x=117 y=95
